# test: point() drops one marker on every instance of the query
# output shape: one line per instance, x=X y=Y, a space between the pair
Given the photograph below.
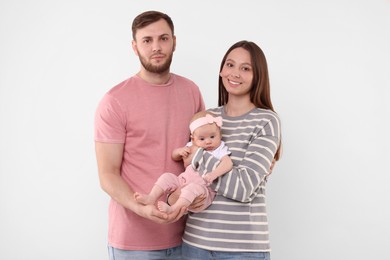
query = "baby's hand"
x=207 y=178
x=191 y=150
x=183 y=152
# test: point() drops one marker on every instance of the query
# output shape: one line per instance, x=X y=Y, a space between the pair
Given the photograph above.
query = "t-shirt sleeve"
x=198 y=98
x=110 y=121
x=221 y=151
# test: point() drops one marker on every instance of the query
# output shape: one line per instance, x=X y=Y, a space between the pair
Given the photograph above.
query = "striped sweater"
x=236 y=221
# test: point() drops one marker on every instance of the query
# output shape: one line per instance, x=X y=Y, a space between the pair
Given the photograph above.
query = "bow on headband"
x=207 y=119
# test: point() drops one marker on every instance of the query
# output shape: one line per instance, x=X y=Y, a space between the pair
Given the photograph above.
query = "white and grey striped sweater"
x=236 y=221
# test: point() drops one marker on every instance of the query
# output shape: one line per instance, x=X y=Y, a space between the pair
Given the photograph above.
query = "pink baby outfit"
x=191 y=182
x=150 y=120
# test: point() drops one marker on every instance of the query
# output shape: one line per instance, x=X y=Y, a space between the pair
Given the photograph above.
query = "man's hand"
x=152 y=213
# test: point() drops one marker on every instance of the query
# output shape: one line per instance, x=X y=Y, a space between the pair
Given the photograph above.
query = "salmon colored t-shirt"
x=150 y=120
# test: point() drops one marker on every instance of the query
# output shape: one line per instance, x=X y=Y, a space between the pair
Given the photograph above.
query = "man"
x=138 y=123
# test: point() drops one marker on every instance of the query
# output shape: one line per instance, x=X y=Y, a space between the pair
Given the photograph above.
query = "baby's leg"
x=164 y=207
x=167 y=181
x=149 y=199
x=187 y=196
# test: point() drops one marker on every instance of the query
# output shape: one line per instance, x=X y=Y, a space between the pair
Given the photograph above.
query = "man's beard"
x=156 y=68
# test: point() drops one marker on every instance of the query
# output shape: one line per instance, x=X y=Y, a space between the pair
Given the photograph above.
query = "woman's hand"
x=196 y=204
x=271 y=167
x=208 y=179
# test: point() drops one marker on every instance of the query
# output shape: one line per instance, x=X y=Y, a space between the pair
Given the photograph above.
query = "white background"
x=329 y=64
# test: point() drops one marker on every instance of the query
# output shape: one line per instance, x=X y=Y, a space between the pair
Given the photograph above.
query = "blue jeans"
x=165 y=254
x=194 y=253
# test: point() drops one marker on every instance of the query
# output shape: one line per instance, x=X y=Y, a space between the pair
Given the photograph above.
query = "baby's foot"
x=164 y=207
x=143 y=198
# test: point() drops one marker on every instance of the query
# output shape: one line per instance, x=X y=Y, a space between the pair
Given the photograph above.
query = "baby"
x=206 y=133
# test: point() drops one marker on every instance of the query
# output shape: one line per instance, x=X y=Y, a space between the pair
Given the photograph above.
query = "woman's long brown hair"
x=260 y=94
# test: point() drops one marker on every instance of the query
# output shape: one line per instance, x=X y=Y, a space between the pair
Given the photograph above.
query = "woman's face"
x=237 y=72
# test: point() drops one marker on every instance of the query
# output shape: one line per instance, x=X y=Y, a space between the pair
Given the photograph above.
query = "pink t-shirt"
x=151 y=121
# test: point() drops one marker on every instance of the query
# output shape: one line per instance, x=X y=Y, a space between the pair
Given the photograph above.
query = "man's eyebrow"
x=162 y=35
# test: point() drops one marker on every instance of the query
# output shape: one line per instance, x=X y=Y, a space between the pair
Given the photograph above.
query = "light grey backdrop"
x=329 y=62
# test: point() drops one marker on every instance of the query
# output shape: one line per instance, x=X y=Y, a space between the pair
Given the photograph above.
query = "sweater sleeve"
x=248 y=176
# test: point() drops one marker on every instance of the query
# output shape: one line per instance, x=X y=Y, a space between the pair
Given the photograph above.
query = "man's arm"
x=109 y=159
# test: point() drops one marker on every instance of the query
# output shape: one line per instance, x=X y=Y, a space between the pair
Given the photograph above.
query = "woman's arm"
x=247 y=177
x=223 y=167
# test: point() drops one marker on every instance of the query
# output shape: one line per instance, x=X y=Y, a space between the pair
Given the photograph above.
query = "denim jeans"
x=165 y=254
x=194 y=253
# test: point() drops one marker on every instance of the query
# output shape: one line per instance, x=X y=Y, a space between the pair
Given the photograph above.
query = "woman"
x=235 y=226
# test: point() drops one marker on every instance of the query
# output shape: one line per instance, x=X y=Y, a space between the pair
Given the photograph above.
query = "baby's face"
x=207 y=136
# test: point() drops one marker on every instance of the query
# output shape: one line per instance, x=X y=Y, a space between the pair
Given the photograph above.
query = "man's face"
x=154 y=45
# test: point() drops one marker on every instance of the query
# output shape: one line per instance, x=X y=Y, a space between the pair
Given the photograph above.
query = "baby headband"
x=207 y=119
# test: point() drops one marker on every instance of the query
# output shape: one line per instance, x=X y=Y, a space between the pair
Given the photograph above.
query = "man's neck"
x=155 y=78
